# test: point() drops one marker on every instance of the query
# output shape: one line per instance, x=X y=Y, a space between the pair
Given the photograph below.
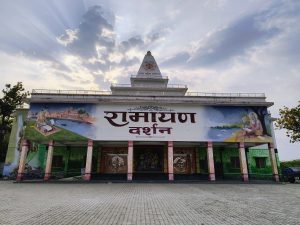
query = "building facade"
x=147 y=129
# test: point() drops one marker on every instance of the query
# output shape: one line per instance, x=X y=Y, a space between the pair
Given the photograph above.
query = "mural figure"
x=236 y=125
x=45 y=125
x=252 y=125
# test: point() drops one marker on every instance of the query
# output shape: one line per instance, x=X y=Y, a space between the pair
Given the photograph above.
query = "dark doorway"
x=148 y=159
x=148 y=163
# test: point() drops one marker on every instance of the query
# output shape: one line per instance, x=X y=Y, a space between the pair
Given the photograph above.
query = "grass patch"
x=63 y=135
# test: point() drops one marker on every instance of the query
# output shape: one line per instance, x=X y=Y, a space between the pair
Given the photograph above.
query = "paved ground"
x=98 y=203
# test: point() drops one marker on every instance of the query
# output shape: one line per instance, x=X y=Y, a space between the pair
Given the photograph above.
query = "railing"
x=197 y=94
x=120 y=85
x=70 y=92
x=149 y=75
x=129 y=85
x=177 y=86
x=204 y=94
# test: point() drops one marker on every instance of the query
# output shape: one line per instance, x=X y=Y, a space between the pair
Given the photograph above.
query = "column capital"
x=25 y=142
x=209 y=144
x=130 y=143
x=270 y=145
x=170 y=144
x=241 y=144
x=90 y=142
x=51 y=143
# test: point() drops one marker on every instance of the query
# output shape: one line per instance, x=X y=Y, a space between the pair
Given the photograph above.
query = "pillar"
x=210 y=162
x=129 y=160
x=243 y=162
x=170 y=160
x=197 y=160
x=24 y=150
x=88 y=164
x=49 y=161
x=273 y=162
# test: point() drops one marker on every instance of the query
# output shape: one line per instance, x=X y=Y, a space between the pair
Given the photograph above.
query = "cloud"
x=69 y=37
x=231 y=41
x=90 y=34
x=178 y=59
x=95 y=42
x=234 y=40
x=133 y=42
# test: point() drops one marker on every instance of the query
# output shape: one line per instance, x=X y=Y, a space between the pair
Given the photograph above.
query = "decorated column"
x=22 y=161
x=273 y=162
x=170 y=160
x=210 y=162
x=49 y=161
x=88 y=164
x=129 y=160
x=243 y=162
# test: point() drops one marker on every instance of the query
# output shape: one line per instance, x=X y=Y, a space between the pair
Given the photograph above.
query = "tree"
x=13 y=97
x=290 y=120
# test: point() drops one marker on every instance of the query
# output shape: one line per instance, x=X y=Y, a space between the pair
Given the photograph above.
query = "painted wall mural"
x=239 y=124
x=36 y=154
x=62 y=122
x=73 y=122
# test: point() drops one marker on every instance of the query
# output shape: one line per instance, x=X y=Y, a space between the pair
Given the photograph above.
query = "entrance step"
x=150 y=176
x=109 y=176
x=187 y=177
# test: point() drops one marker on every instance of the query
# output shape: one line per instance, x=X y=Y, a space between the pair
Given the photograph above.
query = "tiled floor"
x=137 y=203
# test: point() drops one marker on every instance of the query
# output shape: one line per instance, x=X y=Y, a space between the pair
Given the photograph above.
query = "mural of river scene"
x=61 y=121
x=236 y=124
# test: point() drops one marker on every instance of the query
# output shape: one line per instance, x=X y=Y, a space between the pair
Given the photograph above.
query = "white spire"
x=149 y=67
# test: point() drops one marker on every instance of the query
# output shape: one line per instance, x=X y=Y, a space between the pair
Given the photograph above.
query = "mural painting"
x=73 y=122
x=239 y=124
x=36 y=153
x=60 y=122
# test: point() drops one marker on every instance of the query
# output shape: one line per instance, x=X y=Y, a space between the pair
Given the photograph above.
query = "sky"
x=249 y=46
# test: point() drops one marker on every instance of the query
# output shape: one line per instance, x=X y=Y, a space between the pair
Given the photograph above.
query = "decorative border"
x=150 y=108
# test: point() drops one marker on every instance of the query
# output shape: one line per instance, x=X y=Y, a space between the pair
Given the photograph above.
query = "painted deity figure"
x=252 y=125
x=42 y=122
x=41 y=117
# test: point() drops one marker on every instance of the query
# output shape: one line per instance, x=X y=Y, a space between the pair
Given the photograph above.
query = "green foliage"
x=290 y=120
x=13 y=97
x=293 y=163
